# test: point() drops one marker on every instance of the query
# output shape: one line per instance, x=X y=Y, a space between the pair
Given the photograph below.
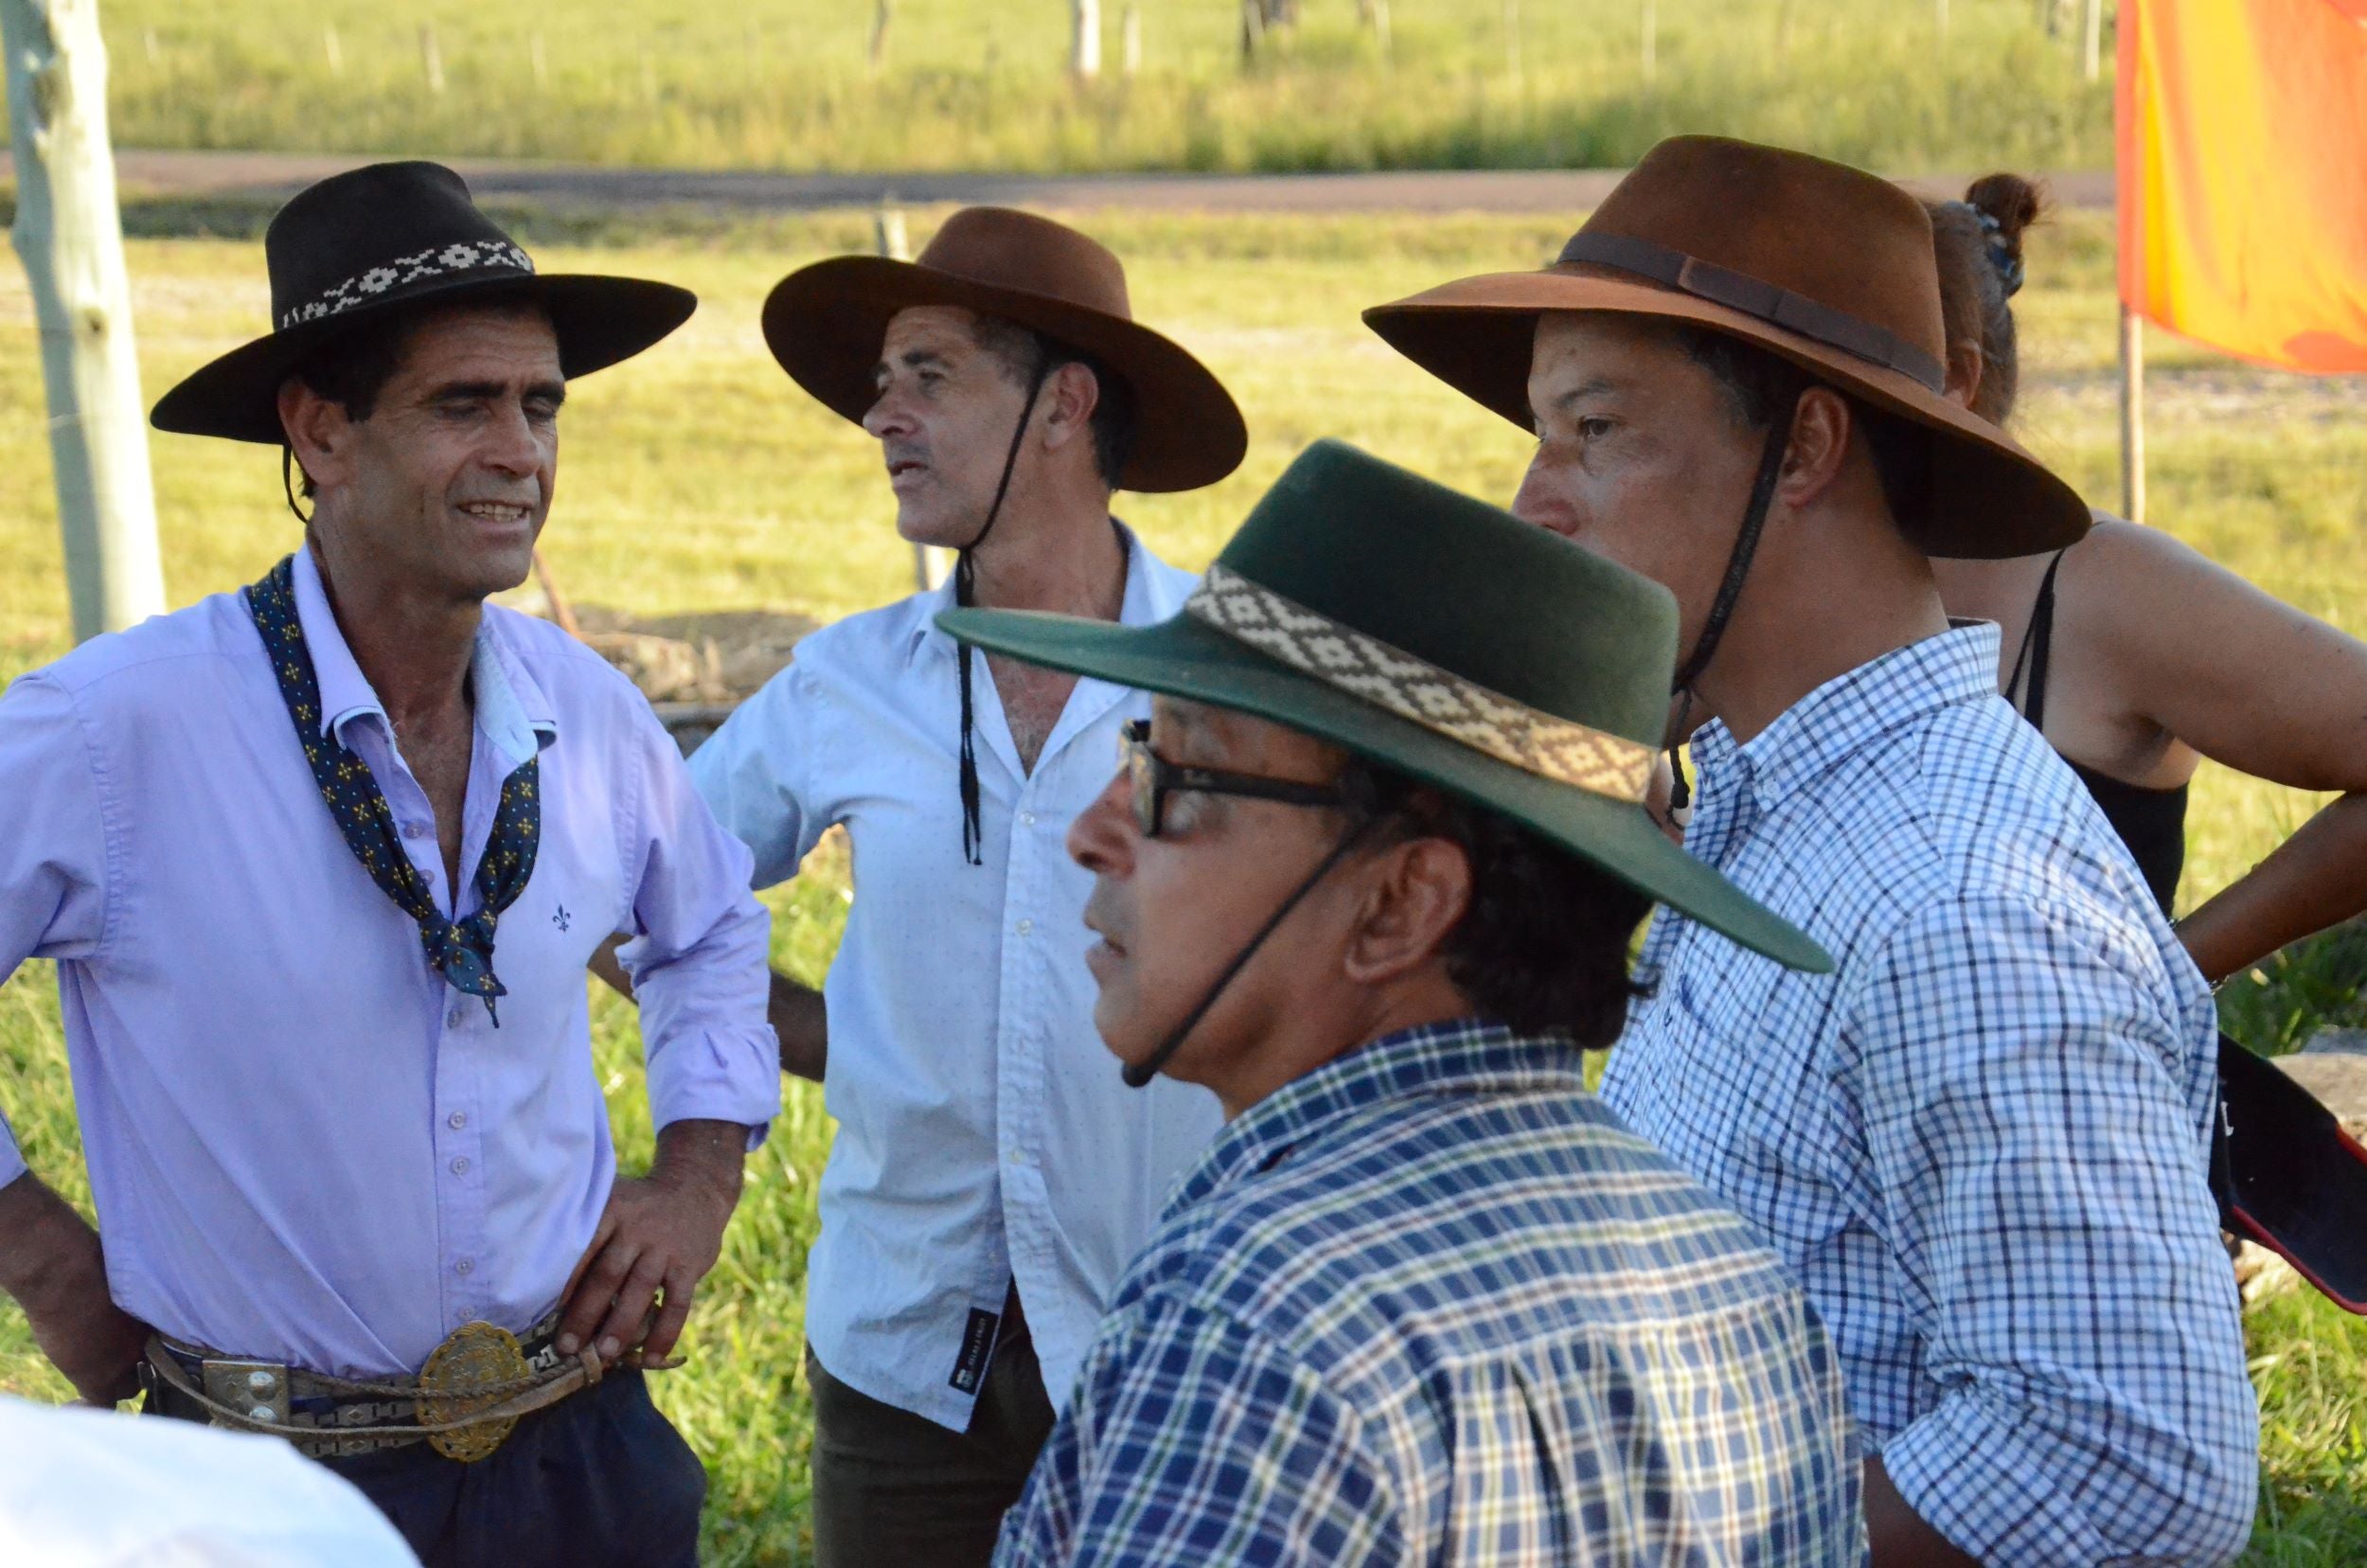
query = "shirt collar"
x=1149 y=600
x=511 y=708
x=1461 y=1056
x=1852 y=711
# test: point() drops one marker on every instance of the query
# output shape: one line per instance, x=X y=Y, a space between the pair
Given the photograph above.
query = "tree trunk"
x=71 y=240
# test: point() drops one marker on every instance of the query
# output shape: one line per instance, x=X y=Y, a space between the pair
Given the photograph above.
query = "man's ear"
x=318 y=433
x=1069 y=398
x=1421 y=893
x=1822 y=425
x=1966 y=363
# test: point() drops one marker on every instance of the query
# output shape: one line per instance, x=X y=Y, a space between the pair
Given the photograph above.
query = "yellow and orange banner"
x=2243 y=176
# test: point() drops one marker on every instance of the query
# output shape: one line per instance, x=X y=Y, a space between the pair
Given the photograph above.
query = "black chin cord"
x=287 y=482
x=965 y=591
x=1141 y=1072
x=1722 y=607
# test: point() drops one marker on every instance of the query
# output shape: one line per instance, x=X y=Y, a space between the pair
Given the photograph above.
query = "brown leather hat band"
x=1756 y=297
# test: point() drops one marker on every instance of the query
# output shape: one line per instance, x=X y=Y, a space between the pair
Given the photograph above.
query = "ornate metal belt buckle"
x=477 y=1357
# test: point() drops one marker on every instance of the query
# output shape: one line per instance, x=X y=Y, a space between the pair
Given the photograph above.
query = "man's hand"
x=50 y=1261
x=657 y=1238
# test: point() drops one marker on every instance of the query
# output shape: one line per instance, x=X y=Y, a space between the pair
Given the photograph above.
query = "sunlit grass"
x=969 y=84
x=697 y=478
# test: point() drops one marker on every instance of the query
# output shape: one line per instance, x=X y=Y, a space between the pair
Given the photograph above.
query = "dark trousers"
x=599 y=1480
x=891 y=1488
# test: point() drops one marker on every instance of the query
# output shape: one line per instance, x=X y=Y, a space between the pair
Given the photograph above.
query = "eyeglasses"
x=1153 y=778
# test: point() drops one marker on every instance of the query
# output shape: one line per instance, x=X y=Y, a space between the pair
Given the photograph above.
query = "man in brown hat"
x=321 y=864
x=1980 y=1144
x=992 y=1175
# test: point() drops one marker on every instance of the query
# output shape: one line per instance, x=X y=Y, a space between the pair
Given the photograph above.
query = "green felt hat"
x=1437 y=635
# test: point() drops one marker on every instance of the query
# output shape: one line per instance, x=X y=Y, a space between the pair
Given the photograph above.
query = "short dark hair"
x=1761 y=384
x=1543 y=947
x=1025 y=354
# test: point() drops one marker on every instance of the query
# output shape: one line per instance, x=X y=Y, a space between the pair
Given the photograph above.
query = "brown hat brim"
x=826 y=323
x=1990 y=499
x=600 y=321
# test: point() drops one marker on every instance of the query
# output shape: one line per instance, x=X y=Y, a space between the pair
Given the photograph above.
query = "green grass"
x=697 y=478
x=984 y=84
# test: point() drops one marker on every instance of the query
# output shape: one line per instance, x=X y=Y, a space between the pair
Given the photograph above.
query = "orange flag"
x=2243 y=176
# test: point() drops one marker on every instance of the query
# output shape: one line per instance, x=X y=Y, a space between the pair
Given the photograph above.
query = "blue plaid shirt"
x=1431 y=1303
x=1980 y=1144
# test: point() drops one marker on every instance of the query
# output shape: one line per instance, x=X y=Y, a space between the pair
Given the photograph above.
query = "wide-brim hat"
x=1825 y=265
x=826 y=323
x=360 y=246
x=1442 y=637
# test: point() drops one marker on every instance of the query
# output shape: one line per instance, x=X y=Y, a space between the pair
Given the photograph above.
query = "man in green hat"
x=1980 y=1145
x=1369 y=874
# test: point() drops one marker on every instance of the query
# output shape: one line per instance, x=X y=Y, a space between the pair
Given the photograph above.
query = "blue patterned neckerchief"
x=462 y=950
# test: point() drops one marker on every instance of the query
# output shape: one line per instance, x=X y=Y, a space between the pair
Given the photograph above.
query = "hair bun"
x=2010 y=203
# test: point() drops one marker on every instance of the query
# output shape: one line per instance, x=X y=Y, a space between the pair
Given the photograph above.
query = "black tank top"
x=2151 y=821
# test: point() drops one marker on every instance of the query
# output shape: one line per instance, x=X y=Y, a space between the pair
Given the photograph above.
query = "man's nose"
x=1102 y=838
x=887 y=417
x=515 y=447
x=1543 y=497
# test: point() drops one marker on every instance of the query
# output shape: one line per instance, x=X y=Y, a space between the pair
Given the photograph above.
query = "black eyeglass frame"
x=1152 y=778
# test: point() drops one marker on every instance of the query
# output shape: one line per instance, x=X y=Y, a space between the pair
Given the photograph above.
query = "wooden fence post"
x=2132 y=414
x=431 y=58
x=1130 y=39
x=70 y=235
x=333 y=50
x=2091 y=39
x=539 y=60
x=1084 y=53
x=882 y=12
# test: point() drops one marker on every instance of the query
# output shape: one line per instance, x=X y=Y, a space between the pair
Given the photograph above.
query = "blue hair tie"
x=2002 y=258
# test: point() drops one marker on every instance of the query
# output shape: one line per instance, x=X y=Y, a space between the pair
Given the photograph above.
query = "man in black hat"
x=1369 y=873
x=1981 y=1144
x=322 y=863
x=988 y=1181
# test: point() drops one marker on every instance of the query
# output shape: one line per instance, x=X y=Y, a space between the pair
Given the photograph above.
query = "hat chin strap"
x=1722 y=607
x=964 y=593
x=1140 y=1073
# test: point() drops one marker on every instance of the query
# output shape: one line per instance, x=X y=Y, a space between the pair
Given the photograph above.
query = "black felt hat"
x=353 y=248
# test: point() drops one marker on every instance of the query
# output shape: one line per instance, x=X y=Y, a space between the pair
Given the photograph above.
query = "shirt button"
x=1026 y=928
x=1027 y=819
x=466 y=1266
x=457 y=1120
x=460 y=1165
x=1018 y=1156
x=414 y=830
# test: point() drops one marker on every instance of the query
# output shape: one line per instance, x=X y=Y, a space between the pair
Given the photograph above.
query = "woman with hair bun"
x=2136 y=657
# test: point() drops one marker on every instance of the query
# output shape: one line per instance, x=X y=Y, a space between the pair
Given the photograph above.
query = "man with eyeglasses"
x=1369 y=875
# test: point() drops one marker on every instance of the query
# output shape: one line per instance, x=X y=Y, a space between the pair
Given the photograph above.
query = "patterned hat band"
x=437 y=262
x=1416 y=690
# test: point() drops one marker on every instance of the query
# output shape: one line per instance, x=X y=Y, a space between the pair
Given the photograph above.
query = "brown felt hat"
x=826 y=325
x=1825 y=265
x=825 y=322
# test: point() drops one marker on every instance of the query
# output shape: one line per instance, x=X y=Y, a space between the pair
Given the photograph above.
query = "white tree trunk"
x=71 y=240
x=1085 y=43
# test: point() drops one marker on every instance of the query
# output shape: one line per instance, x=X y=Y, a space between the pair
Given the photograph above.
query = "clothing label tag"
x=977 y=1350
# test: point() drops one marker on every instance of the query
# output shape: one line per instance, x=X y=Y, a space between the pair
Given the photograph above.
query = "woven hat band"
x=1416 y=690
x=1756 y=297
x=435 y=262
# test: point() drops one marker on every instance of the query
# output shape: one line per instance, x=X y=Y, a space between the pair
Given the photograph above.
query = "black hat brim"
x=600 y=321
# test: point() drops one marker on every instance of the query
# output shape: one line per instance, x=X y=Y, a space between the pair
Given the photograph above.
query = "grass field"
x=985 y=83
x=697 y=478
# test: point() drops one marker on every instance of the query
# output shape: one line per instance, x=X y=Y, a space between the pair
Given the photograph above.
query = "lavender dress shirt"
x=305 y=1147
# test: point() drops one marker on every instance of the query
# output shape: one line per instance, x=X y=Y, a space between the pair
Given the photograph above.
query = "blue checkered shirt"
x=1431 y=1303
x=1980 y=1144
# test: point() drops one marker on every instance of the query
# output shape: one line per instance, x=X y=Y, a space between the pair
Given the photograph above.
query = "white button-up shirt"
x=984 y=1135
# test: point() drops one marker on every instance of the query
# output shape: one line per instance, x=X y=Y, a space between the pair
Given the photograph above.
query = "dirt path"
x=564 y=185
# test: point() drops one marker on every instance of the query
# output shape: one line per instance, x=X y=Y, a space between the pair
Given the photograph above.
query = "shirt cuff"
x=729 y=1076
x=11 y=1163
x=1982 y=1479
